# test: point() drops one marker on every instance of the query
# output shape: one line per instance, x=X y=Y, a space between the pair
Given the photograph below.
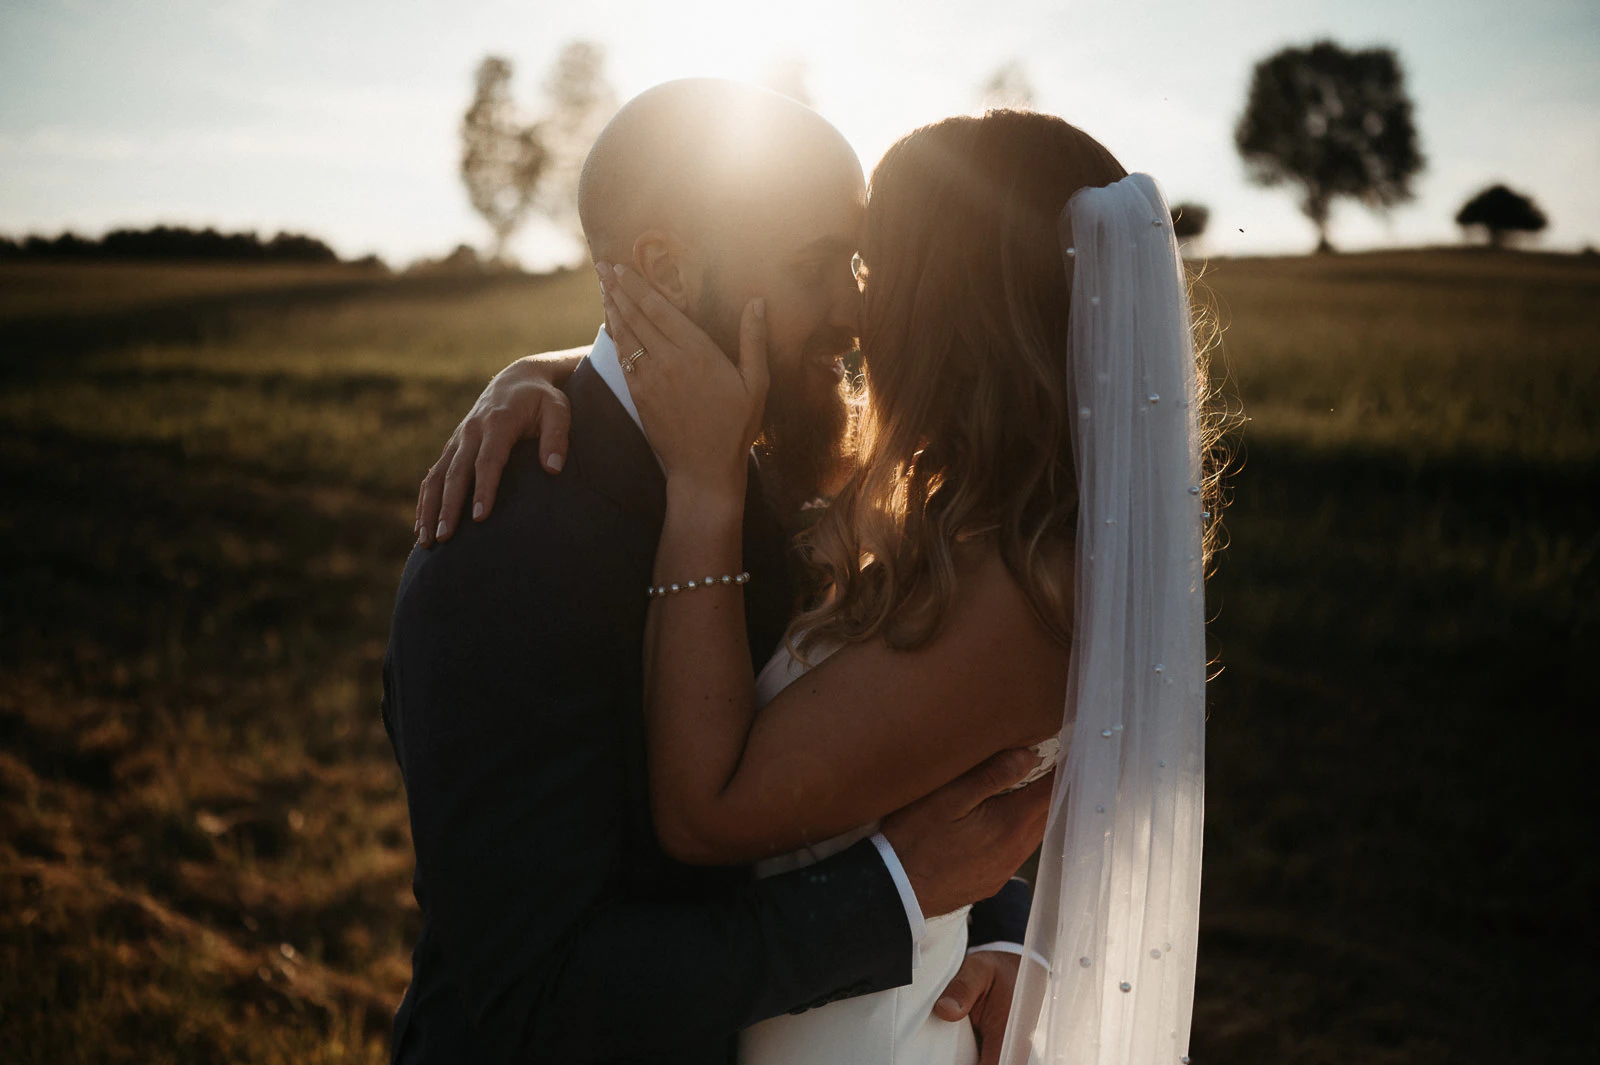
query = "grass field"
x=206 y=479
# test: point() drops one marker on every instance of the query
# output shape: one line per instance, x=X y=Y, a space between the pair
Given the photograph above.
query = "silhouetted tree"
x=1189 y=220
x=1500 y=212
x=502 y=159
x=299 y=248
x=581 y=102
x=1008 y=86
x=463 y=259
x=1334 y=122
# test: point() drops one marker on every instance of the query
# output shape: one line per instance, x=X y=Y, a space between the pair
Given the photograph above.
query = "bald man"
x=553 y=926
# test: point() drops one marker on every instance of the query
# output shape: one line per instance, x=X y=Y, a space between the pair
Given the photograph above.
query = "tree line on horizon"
x=176 y=243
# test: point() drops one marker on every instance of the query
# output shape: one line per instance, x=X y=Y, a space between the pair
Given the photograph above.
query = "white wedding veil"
x=1108 y=976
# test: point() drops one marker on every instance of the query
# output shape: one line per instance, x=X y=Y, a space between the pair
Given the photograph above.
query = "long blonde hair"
x=964 y=433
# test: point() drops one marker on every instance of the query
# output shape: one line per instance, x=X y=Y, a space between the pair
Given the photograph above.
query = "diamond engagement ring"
x=629 y=360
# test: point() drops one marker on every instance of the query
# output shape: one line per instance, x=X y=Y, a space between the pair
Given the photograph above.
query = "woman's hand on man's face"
x=701 y=412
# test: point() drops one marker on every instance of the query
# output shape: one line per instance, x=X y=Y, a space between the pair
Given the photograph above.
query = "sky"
x=341 y=117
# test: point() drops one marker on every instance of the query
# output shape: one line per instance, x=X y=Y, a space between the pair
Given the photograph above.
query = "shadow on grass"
x=1397 y=763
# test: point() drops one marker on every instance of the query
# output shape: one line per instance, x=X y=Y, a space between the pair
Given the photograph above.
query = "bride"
x=1022 y=531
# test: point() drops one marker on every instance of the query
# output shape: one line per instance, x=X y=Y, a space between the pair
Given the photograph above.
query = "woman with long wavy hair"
x=1016 y=559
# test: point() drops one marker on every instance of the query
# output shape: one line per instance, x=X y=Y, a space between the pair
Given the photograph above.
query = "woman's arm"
x=521 y=400
x=859 y=736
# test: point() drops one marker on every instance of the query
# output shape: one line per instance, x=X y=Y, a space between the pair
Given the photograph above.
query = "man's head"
x=717 y=192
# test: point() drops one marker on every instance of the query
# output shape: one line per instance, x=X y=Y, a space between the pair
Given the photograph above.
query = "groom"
x=554 y=929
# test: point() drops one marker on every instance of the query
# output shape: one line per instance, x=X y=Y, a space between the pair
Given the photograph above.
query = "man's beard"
x=805 y=424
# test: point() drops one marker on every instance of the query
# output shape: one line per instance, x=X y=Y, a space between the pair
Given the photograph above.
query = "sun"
x=764 y=44
x=826 y=53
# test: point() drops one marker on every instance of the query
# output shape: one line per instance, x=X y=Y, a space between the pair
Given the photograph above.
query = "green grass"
x=1467 y=355
x=206 y=479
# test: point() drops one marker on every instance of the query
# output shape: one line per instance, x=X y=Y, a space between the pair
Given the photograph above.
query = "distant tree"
x=502 y=159
x=1008 y=86
x=463 y=259
x=787 y=76
x=1500 y=213
x=1189 y=220
x=10 y=249
x=1334 y=122
x=581 y=102
x=299 y=248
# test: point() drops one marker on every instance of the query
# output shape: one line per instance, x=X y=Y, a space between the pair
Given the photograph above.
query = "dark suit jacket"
x=554 y=929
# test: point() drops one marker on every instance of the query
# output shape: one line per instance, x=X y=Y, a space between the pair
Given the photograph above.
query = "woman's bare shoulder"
x=991 y=614
x=986 y=585
x=990 y=646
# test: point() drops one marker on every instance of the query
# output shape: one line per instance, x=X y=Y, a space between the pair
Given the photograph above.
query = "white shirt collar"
x=603 y=357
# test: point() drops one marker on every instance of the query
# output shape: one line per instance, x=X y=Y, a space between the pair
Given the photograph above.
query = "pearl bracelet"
x=672 y=589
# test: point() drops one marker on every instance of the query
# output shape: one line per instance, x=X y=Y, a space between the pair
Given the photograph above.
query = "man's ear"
x=671 y=265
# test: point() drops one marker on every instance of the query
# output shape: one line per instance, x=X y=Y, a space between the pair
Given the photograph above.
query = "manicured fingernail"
x=444 y=528
x=477 y=512
x=554 y=463
x=761 y=309
x=947 y=1004
x=617 y=269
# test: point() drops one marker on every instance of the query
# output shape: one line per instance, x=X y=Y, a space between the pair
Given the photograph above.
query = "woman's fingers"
x=493 y=451
x=432 y=492
x=621 y=336
x=556 y=419
x=644 y=331
x=657 y=309
x=422 y=505
x=457 y=481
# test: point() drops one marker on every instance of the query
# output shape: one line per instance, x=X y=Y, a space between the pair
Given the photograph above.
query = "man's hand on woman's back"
x=963 y=842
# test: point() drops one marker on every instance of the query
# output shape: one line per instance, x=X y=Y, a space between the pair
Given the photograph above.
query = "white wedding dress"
x=894 y=1027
